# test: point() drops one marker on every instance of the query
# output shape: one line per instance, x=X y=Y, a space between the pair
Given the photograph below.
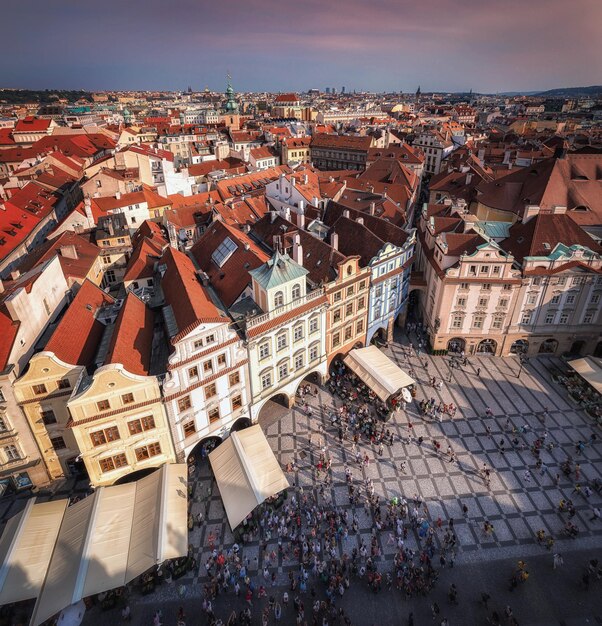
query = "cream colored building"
x=48 y=382
x=118 y=418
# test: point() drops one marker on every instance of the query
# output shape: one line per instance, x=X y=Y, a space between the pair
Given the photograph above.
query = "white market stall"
x=246 y=472
x=113 y=536
x=376 y=370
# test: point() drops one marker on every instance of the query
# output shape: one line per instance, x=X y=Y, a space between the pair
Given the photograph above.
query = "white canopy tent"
x=114 y=535
x=378 y=371
x=247 y=472
x=26 y=548
x=590 y=369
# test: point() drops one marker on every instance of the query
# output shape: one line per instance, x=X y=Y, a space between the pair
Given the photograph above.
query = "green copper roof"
x=279 y=270
x=495 y=230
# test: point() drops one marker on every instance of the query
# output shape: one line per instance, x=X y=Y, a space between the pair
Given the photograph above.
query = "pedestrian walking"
x=435 y=610
x=527 y=476
x=478 y=371
x=558 y=560
x=596 y=514
x=402 y=467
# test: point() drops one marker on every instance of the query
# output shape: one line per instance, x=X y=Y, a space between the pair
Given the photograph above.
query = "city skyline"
x=385 y=46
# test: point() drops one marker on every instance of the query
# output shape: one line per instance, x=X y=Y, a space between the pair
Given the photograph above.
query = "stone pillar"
x=390 y=327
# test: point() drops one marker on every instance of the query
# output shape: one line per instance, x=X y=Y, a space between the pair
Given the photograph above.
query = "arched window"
x=296 y=292
x=278 y=299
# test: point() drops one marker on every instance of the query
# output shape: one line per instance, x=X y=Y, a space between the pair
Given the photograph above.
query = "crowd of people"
x=318 y=539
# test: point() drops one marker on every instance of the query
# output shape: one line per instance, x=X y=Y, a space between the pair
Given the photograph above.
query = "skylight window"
x=223 y=252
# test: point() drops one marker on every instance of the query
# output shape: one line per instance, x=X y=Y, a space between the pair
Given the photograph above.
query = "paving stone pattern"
x=515 y=507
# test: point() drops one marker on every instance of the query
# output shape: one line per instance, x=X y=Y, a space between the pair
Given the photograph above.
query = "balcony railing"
x=295 y=304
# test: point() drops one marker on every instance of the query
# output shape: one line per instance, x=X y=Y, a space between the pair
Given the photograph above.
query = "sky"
x=282 y=45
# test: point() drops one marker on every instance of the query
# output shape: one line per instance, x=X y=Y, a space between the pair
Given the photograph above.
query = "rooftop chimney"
x=68 y=252
x=118 y=195
x=346 y=213
x=1 y=286
x=468 y=178
x=272 y=217
x=297 y=249
x=360 y=220
x=334 y=241
x=88 y=208
x=110 y=227
x=15 y=274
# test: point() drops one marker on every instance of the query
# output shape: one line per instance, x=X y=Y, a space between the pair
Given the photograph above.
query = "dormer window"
x=279 y=299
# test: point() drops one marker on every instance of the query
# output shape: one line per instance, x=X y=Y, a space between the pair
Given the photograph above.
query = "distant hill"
x=569 y=92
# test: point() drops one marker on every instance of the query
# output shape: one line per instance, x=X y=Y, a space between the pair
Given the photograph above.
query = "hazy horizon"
x=382 y=46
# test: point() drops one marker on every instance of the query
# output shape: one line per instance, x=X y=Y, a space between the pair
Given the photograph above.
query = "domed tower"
x=230 y=114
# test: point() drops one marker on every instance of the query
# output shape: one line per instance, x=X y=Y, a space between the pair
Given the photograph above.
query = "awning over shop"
x=26 y=548
x=378 y=371
x=590 y=369
x=247 y=472
x=114 y=535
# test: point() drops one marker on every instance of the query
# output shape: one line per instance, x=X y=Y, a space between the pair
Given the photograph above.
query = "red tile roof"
x=32 y=124
x=341 y=142
x=79 y=332
x=231 y=165
x=132 y=340
x=287 y=97
x=528 y=239
x=189 y=300
x=230 y=280
x=8 y=334
x=78 y=268
x=143 y=259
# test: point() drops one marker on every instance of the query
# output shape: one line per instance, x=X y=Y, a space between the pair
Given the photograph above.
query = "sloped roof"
x=132 y=340
x=76 y=338
x=189 y=300
x=530 y=238
x=143 y=259
x=277 y=271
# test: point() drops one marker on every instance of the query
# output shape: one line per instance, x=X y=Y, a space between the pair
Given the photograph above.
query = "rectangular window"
x=221 y=360
x=298 y=361
x=264 y=350
x=361 y=303
x=561 y=280
x=106 y=465
x=48 y=416
x=336 y=316
x=478 y=321
x=236 y=402
x=461 y=302
x=213 y=414
x=58 y=443
x=564 y=318
x=526 y=318
x=337 y=296
x=281 y=341
x=463 y=285
x=457 y=321
x=484 y=269
x=63 y=383
x=127 y=398
x=360 y=327
x=532 y=298
x=146 y=452
x=313 y=353
x=483 y=301
x=208 y=367
x=350 y=291
x=349 y=309
x=536 y=281
x=39 y=389
x=595 y=298
x=266 y=380
x=210 y=391
x=298 y=333
x=506 y=287
x=336 y=340
x=282 y=370
x=497 y=323
x=550 y=318
x=313 y=325
x=555 y=299
x=198 y=344
x=570 y=299
x=503 y=302
x=189 y=428
x=348 y=333
x=379 y=292
x=587 y=318
x=12 y=453
x=193 y=373
x=184 y=403
x=486 y=287
x=103 y=405
x=362 y=285
x=234 y=378
x=210 y=339
x=496 y=269
x=472 y=270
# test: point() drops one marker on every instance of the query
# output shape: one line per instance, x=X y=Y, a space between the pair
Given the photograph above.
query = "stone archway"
x=273 y=409
x=456 y=345
x=598 y=350
x=487 y=346
x=520 y=346
x=240 y=424
x=134 y=476
x=577 y=348
x=202 y=449
x=549 y=346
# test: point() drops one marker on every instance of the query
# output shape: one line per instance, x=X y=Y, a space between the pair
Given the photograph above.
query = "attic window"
x=546 y=246
x=581 y=208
